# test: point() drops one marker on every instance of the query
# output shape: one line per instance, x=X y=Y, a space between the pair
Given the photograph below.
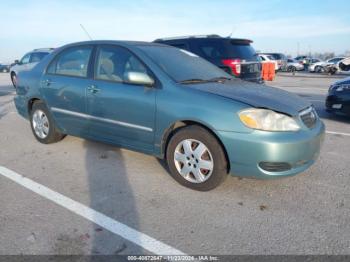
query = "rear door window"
x=335 y=60
x=72 y=62
x=37 y=57
x=220 y=49
x=25 y=59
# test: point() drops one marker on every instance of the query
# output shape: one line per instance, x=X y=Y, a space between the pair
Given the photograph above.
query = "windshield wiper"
x=198 y=80
x=219 y=79
x=193 y=81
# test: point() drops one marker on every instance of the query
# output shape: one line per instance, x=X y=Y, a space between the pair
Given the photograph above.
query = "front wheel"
x=196 y=159
x=42 y=124
x=292 y=69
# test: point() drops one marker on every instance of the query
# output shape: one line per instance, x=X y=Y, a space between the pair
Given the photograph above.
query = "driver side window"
x=114 y=62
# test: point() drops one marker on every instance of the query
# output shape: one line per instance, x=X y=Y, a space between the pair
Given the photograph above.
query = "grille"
x=309 y=117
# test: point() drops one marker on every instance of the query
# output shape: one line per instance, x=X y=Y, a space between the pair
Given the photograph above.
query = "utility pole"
x=298 y=48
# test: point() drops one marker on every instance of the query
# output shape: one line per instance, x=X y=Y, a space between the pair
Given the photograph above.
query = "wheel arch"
x=31 y=102
x=176 y=126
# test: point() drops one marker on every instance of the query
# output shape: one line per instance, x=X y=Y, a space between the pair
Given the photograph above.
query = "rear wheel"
x=42 y=124
x=196 y=159
x=319 y=69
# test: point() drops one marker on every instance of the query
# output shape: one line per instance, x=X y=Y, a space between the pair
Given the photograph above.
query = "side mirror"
x=138 y=78
x=16 y=62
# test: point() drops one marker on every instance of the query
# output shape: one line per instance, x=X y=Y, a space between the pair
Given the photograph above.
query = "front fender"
x=178 y=104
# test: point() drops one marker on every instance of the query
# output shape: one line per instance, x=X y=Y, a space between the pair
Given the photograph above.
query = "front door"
x=121 y=113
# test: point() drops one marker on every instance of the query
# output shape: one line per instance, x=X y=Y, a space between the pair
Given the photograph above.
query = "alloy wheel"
x=193 y=161
x=40 y=124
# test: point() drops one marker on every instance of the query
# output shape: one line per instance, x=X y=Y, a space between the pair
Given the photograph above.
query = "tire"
x=318 y=69
x=292 y=69
x=196 y=137
x=14 y=80
x=50 y=134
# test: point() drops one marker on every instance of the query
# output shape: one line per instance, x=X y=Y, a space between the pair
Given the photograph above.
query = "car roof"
x=46 y=50
x=115 y=42
x=201 y=37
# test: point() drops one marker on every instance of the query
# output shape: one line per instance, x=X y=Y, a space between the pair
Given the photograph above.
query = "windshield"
x=278 y=56
x=182 y=65
x=221 y=49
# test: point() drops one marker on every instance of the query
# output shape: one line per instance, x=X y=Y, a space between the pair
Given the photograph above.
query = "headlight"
x=268 y=120
x=340 y=88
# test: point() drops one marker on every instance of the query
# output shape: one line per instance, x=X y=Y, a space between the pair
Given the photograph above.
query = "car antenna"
x=86 y=32
x=233 y=29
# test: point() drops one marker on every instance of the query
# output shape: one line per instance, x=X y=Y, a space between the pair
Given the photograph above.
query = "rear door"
x=121 y=113
x=64 y=88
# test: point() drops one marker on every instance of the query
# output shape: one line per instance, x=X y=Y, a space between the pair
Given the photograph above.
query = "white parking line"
x=338 y=133
x=143 y=240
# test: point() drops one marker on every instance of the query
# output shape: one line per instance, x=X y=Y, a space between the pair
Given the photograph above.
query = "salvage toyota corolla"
x=172 y=104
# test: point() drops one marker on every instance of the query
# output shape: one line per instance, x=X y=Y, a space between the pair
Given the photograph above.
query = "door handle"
x=47 y=82
x=93 y=89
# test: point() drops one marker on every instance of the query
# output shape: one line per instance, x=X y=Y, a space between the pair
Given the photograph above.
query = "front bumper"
x=338 y=104
x=298 y=149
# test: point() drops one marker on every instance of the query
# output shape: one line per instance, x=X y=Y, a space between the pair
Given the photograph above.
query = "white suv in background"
x=319 y=66
x=269 y=58
x=27 y=62
x=293 y=65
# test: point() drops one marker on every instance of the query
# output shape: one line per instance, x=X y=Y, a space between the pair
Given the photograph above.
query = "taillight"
x=234 y=64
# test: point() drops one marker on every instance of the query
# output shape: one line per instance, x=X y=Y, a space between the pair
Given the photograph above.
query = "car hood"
x=342 y=81
x=319 y=63
x=256 y=95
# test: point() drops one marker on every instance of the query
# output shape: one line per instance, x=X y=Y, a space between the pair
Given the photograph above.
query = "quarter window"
x=72 y=62
x=114 y=62
x=25 y=59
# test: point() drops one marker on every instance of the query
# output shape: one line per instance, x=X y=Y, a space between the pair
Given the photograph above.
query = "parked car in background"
x=319 y=66
x=307 y=61
x=235 y=56
x=338 y=99
x=281 y=60
x=344 y=65
x=301 y=58
x=172 y=104
x=270 y=59
x=27 y=62
x=294 y=65
x=4 y=68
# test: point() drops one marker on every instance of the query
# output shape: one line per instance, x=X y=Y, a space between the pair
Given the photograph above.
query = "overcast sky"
x=273 y=25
